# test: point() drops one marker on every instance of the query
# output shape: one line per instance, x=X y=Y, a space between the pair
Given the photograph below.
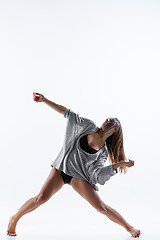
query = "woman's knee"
x=102 y=208
x=41 y=198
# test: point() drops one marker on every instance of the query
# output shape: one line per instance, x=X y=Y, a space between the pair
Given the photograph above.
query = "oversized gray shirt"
x=77 y=163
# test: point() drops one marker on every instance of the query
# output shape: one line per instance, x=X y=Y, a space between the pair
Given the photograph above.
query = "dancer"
x=80 y=164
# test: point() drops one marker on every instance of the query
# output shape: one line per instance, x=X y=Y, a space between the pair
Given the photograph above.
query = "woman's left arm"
x=116 y=165
x=123 y=163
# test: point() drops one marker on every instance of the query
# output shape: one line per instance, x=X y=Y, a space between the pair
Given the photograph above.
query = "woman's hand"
x=38 y=97
x=128 y=164
x=123 y=163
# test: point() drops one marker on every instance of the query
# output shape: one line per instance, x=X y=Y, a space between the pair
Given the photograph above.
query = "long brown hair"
x=115 y=149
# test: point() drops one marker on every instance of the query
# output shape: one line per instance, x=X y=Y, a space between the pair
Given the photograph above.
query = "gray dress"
x=77 y=163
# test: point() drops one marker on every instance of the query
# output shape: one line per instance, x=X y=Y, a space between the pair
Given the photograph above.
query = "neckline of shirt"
x=88 y=132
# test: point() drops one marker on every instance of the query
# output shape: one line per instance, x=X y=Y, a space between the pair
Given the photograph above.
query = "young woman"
x=80 y=164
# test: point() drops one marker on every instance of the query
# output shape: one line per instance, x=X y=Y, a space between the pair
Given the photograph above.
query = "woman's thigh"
x=53 y=183
x=85 y=189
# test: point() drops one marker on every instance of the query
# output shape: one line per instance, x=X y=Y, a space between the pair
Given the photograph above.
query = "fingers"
x=36 y=98
x=35 y=93
x=131 y=161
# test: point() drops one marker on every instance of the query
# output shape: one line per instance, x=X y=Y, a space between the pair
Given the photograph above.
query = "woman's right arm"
x=40 y=98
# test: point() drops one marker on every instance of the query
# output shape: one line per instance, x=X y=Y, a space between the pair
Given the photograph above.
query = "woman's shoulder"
x=77 y=119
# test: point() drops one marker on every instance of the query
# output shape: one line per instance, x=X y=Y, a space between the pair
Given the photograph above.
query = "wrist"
x=44 y=99
x=115 y=166
x=122 y=163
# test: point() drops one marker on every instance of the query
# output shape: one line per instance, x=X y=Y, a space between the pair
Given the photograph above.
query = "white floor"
x=68 y=216
x=30 y=228
x=112 y=236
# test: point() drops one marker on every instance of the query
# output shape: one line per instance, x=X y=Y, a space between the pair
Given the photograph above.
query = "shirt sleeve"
x=105 y=174
x=76 y=119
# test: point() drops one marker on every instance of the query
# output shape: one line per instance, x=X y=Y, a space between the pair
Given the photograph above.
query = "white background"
x=101 y=59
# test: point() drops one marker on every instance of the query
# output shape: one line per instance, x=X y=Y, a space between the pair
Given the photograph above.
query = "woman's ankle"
x=15 y=218
x=128 y=228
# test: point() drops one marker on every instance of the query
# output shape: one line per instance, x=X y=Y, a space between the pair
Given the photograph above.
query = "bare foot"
x=134 y=232
x=11 y=227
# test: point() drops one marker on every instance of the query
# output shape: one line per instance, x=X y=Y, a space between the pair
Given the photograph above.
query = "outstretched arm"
x=56 y=107
x=40 y=98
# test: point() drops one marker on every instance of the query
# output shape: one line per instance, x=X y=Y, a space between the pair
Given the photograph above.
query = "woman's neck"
x=97 y=139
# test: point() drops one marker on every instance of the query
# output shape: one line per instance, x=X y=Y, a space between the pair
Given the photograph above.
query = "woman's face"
x=108 y=124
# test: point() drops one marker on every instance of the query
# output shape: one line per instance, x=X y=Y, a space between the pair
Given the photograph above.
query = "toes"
x=135 y=235
x=11 y=234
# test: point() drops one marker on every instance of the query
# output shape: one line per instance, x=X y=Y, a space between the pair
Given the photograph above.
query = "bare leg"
x=90 y=194
x=53 y=183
